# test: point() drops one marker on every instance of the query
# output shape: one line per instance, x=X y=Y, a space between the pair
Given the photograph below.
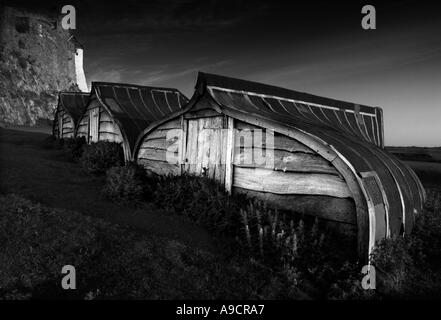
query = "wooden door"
x=206 y=147
x=94 y=124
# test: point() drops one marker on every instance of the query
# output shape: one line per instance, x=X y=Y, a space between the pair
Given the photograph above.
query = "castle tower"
x=38 y=58
x=79 y=70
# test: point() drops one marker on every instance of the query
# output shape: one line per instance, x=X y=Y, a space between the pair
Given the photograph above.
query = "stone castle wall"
x=37 y=59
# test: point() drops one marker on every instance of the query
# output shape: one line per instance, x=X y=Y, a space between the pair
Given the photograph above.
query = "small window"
x=22 y=24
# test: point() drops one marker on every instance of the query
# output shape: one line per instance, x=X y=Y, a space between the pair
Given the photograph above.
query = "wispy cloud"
x=111 y=75
x=165 y=16
x=167 y=74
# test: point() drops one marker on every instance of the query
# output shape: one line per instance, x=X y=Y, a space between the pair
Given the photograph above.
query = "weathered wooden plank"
x=192 y=146
x=67 y=131
x=84 y=120
x=290 y=183
x=199 y=150
x=282 y=161
x=213 y=122
x=94 y=124
x=152 y=154
x=82 y=126
x=105 y=116
x=110 y=136
x=82 y=133
x=67 y=126
x=105 y=121
x=205 y=149
x=159 y=155
x=68 y=134
x=157 y=134
x=183 y=143
x=159 y=167
x=312 y=142
x=324 y=207
x=108 y=127
x=207 y=143
x=229 y=155
x=216 y=172
x=281 y=142
x=68 y=122
x=161 y=143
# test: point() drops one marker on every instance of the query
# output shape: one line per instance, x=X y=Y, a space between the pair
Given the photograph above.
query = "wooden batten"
x=107 y=127
x=265 y=180
x=183 y=144
x=312 y=142
x=280 y=160
x=152 y=154
x=229 y=157
x=156 y=134
x=82 y=128
x=109 y=136
x=281 y=141
x=160 y=143
x=162 y=146
x=324 y=207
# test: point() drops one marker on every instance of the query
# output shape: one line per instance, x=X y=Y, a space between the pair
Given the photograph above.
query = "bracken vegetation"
x=312 y=258
x=127 y=184
x=261 y=252
x=111 y=261
x=309 y=257
x=74 y=147
x=100 y=156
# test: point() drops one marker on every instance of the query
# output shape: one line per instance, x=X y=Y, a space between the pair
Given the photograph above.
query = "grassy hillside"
x=49 y=177
x=52 y=213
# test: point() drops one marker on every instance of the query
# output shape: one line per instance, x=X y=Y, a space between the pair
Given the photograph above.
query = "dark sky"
x=313 y=46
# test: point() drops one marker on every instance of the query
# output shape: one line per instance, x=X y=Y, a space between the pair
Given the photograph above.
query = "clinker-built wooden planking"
x=298 y=152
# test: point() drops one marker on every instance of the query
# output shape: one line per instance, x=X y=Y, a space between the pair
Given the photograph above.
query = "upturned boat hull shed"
x=70 y=108
x=120 y=112
x=298 y=151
